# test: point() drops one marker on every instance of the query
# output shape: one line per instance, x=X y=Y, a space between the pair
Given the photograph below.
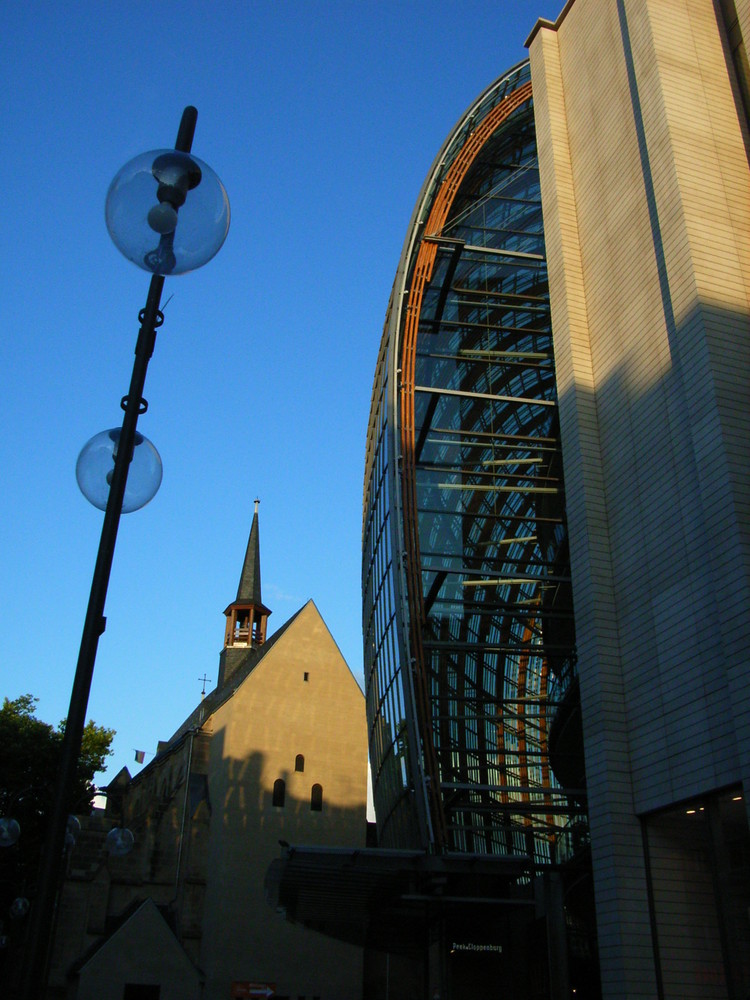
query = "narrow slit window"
x=299 y=762
x=279 y=792
x=316 y=798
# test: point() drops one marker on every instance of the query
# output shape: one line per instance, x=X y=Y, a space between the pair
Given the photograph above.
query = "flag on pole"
x=140 y=756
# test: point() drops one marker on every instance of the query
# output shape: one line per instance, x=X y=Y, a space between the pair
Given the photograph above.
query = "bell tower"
x=247 y=616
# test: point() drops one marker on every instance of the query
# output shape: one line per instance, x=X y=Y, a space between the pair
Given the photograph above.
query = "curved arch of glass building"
x=467 y=605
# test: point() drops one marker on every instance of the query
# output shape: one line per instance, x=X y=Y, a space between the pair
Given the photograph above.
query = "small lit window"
x=279 y=792
x=316 y=798
x=299 y=762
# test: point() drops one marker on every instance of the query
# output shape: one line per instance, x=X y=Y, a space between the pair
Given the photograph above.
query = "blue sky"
x=322 y=120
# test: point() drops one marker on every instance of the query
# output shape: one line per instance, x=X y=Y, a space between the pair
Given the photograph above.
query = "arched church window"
x=279 y=792
x=299 y=762
x=316 y=798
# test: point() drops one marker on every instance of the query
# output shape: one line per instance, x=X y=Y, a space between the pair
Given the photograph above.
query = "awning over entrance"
x=388 y=899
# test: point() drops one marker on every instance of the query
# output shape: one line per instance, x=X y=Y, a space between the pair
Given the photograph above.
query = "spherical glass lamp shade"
x=19 y=907
x=96 y=464
x=119 y=842
x=10 y=831
x=167 y=211
x=72 y=830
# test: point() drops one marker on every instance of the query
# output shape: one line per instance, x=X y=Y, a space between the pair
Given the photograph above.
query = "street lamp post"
x=164 y=179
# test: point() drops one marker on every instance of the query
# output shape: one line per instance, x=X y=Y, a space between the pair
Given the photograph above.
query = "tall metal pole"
x=35 y=969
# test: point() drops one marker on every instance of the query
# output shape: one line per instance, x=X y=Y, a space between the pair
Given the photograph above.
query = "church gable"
x=143 y=950
x=294 y=735
x=302 y=682
x=308 y=645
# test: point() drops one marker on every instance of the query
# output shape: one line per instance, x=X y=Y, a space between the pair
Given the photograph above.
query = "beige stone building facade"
x=642 y=132
x=276 y=753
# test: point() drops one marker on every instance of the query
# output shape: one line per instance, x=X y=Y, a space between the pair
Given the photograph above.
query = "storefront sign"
x=472 y=946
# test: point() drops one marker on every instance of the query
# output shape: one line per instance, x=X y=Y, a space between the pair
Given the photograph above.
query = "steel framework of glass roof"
x=467 y=606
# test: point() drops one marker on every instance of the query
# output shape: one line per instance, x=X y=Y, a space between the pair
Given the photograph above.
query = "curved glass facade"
x=468 y=621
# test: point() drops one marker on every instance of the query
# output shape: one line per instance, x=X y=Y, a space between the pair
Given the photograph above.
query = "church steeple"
x=247 y=616
x=249 y=588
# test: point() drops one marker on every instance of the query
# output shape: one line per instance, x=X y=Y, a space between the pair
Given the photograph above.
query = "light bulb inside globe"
x=162 y=218
x=96 y=463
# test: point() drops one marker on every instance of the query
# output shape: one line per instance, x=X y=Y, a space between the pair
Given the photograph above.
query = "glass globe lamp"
x=119 y=842
x=72 y=830
x=167 y=212
x=96 y=465
x=19 y=907
x=10 y=831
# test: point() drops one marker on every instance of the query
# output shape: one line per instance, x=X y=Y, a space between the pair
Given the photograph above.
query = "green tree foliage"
x=30 y=752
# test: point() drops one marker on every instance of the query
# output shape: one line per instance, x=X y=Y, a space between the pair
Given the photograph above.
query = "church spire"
x=247 y=616
x=249 y=588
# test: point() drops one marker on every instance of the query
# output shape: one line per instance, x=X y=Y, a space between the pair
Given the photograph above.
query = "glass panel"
x=491 y=511
x=498 y=638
